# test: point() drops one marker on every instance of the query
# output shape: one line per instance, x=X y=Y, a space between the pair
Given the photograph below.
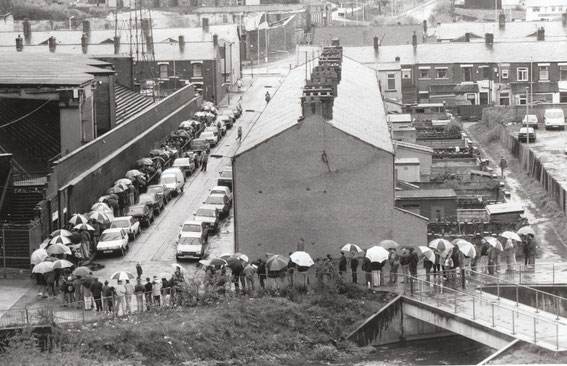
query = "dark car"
x=200 y=144
x=225 y=178
x=142 y=213
x=152 y=200
x=161 y=191
x=526 y=134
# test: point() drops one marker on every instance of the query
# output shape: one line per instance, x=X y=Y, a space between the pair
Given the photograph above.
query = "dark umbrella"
x=183 y=134
x=75 y=237
x=236 y=267
x=277 y=263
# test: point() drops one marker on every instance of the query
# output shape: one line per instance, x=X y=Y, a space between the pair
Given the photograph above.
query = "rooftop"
x=417 y=147
x=364 y=35
x=504 y=208
x=405 y=161
x=426 y=193
x=358 y=86
x=512 y=32
x=462 y=52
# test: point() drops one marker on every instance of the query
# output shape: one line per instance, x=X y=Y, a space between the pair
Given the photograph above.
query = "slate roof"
x=512 y=32
x=358 y=87
x=18 y=68
x=465 y=52
x=364 y=35
x=416 y=147
x=129 y=103
x=426 y=193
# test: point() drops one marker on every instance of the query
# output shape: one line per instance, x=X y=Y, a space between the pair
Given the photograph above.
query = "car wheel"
x=122 y=252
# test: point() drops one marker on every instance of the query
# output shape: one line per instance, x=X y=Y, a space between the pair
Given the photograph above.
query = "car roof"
x=192 y=222
x=181 y=160
x=208 y=207
x=156 y=186
x=220 y=188
x=172 y=171
x=122 y=218
x=113 y=230
x=217 y=195
x=137 y=205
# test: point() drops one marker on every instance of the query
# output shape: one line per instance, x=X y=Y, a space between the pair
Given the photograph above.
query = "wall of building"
x=436 y=210
x=284 y=191
x=402 y=221
x=408 y=172
x=105 y=104
x=425 y=160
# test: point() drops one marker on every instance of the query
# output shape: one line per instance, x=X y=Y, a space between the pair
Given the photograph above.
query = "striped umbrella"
x=99 y=217
x=77 y=219
x=440 y=244
x=61 y=232
x=353 y=248
x=58 y=249
x=130 y=174
x=277 y=262
x=494 y=242
x=467 y=248
x=125 y=181
x=427 y=252
x=84 y=227
x=59 y=240
x=525 y=231
x=62 y=263
x=122 y=276
x=100 y=206
x=38 y=256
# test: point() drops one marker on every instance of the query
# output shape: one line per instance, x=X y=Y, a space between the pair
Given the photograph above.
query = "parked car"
x=194 y=229
x=225 y=178
x=211 y=138
x=142 y=213
x=229 y=122
x=222 y=190
x=221 y=202
x=112 y=240
x=161 y=190
x=128 y=223
x=199 y=145
x=194 y=156
x=173 y=179
x=526 y=133
x=530 y=120
x=185 y=164
x=214 y=129
x=221 y=126
x=209 y=215
x=153 y=201
x=554 y=118
x=190 y=248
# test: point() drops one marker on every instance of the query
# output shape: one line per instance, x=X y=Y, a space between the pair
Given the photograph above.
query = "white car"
x=194 y=229
x=222 y=190
x=209 y=215
x=190 y=248
x=128 y=223
x=211 y=138
x=112 y=240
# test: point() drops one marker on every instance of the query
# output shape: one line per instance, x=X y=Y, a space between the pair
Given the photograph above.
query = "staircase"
x=20 y=205
x=129 y=103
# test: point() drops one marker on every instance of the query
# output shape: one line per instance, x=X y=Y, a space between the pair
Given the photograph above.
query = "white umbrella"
x=77 y=219
x=123 y=181
x=62 y=263
x=133 y=174
x=467 y=248
x=511 y=235
x=58 y=249
x=60 y=240
x=38 y=256
x=43 y=267
x=99 y=217
x=100 y=206
x=427 y=252
x=302 y=259
x=494 y=242
x=61 y=232
x=388 y=244
x=440 y=244
x=351 y=248
x=525 y=231
x=177 y=265
x=84 y=227
x=239 y=256
x=122 y=276
x=377 y=254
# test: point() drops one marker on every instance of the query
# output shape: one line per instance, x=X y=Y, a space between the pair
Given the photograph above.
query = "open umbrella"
x=525 y=231
x=387 y=244
x=225 y=256
x=302 y=259
x=377 y=254
x=240 y=256
x=63 y=240
x=62 y=263
x=77 y=219
x=427 y=252
x=59 y=249
x=125 y=181
x=200 y=114
x=511 y=235
x=100 y=217
x=213 y=262
x=467 y=248
x=38 y=256
x=122 y=276
x=184 y=134
x=494 y=242
x=100 y=206
x=60 y=232
x=440 y=244
x=43 y=267
x=81 y=271
x=45 y=243
x=115 y=190
x=236 y=267
x=185 y=124
x=133 y=173
x=84 y=227
x=351 y=248
x=177 y=265
x=145 y=161
x=277 y=262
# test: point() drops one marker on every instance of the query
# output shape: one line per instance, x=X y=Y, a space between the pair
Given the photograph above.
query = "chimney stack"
x=467 y=37
x=424 y=27
x=215 y=40
x=52 y=43
x=335 y=42
x=205 y=24
x=376 y=44
x=181 y=43
x=146 y=27
x=501 y=20
x=85 y=43
x=414 y=39
x=27 y=29
x=116 y=45
x=541 y=34
x=489 y=39
x=19 y=43
x=86 y=27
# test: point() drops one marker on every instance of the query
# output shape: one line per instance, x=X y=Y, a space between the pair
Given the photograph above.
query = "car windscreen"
x=120 y=223
x=215 y=200
x=110 y=236
x=146 y=198
x=226 y=174
x=191 y=227
x=554 y=114
x=189 y=241
x=133 y=211
x=168 y=179
x=206 y=212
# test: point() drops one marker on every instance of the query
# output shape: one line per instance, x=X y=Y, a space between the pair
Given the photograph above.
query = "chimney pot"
x=414 y=39
x=181 y=42
x=501 y=20
x=215 y=40
x=541 y=34
x=116 y=45
x=376 y=44
x=19 y=43
x=205 y=24
x=425 y=26
x=86 y=26
x=52 y=43
x=85 y=43
x=489 y=39
x=27 y=29
x=467 y=37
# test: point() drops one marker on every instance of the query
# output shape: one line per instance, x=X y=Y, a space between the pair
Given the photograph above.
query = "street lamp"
x=528 y=126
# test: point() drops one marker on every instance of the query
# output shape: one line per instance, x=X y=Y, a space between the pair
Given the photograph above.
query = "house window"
x=486 y=73
x=471 y=98
x=391 y=81
x=441 y=73
x=197 y=70
x=163 y=72
x=424 y=73
x=467 y=73
x=406 y=74
x=562 y=97
x=522 y=73
x=543 y=72
x=505 y=73
x=563 y=72
x=504 y=98
x=543 y=97
x=536 y=9
x=522 y=99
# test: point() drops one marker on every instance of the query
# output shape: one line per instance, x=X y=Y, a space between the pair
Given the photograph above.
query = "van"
x=173 y=179
x=554 y=118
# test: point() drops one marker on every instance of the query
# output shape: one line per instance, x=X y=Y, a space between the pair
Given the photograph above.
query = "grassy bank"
x=235 y=330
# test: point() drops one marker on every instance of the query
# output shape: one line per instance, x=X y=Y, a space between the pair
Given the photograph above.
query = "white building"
x=545 y=9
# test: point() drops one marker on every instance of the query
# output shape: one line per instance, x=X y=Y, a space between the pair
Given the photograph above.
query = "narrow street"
x=155 y=247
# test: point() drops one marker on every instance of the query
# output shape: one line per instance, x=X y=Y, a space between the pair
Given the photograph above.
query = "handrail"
x=5 y=188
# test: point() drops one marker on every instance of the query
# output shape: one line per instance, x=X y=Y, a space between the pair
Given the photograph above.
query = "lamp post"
x=528 y=126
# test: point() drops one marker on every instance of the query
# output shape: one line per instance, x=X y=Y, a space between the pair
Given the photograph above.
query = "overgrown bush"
x=453 y=127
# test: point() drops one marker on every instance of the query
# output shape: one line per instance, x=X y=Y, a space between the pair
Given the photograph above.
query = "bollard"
x=536 y=302
x=27 y=317
x=498 y=288
x=493 y=325
x=517 y=302
x=455 y=303
x=535 y=340
x=513 y=324
x=473 y=309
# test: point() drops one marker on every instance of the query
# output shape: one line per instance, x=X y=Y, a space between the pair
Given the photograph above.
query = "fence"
x=15 y=243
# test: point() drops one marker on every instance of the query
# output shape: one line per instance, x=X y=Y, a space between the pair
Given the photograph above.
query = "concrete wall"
x=283 y=191
x=453 y=167
x=409 y=228
x=75 y=163
x=527 y=297
x=381 y=328
x=425 y=160
x=428 y=208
